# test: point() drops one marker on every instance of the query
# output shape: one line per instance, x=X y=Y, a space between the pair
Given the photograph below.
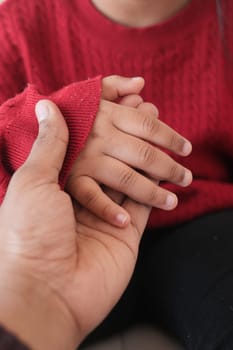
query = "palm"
x=100 y=264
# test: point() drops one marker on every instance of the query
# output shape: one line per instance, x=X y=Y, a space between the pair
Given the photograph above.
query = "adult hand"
x=62 y=268
x=123 y=152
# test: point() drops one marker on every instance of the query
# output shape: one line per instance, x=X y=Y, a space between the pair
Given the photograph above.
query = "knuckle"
x=154 y=110
x=110 y=79
x=50 y=134
x=154 y=195
x=176 y=173
x=151 y=126
x=44 y=132
x=150 y=108
x=176 y=142
x=47 y=132
x=148 y=154
x=106 y=210
x=90 y=197
x=127 y=178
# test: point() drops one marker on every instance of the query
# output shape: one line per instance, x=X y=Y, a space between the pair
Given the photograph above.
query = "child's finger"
x=151 y=160
x=90 y=195
x=115 y=87
x=131 y=101
x=148 y=109
x=133 y=184
x=147 y=126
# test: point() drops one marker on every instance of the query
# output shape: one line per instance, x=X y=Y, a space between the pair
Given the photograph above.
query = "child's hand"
x=119 y=154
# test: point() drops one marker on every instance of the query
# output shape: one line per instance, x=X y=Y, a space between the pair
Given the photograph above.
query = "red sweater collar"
x=185 y=23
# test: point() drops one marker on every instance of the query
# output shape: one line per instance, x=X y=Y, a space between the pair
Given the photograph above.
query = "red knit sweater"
x=185 y=61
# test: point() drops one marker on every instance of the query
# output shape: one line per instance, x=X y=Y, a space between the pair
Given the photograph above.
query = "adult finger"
x=49 y=149
x=115 y=87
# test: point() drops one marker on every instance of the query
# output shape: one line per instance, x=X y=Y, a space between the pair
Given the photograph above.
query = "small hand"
x=123 y=152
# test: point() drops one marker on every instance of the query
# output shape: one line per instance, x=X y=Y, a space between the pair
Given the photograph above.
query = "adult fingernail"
x=42 y=110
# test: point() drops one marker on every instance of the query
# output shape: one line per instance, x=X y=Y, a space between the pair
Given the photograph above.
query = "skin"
x=105 y=142
x=139 y=13
x=62 y=268
x=127 y=137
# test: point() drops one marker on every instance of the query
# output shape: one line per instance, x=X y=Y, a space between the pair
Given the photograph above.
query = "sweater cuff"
x=8 y=341
x=78 y=102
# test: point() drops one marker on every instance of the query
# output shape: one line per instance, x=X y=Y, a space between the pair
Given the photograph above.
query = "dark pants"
x=183 y=283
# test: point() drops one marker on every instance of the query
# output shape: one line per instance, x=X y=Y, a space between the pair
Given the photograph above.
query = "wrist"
x=34 y=313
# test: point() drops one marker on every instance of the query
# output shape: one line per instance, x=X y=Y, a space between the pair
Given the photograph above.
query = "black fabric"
x=8 y=341
x=183 y=283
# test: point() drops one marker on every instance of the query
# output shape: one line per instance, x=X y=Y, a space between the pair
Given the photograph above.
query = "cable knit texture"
x=186 y=62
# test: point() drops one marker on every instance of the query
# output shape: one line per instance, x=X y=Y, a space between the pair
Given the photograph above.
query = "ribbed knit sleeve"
x=10 y=342
x=18 y=125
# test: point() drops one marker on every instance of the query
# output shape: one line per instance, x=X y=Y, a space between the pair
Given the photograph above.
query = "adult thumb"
x=115 y=87
x=49 y=149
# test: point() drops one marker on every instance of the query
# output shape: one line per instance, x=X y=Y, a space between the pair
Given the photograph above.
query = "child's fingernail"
x=42 y=110
x=187 y=148
x=187 y=178
x=171 y=201
x=122 y=218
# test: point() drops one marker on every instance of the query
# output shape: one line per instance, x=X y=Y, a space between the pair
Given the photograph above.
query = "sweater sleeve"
x=78 y=102
x=10 y=342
